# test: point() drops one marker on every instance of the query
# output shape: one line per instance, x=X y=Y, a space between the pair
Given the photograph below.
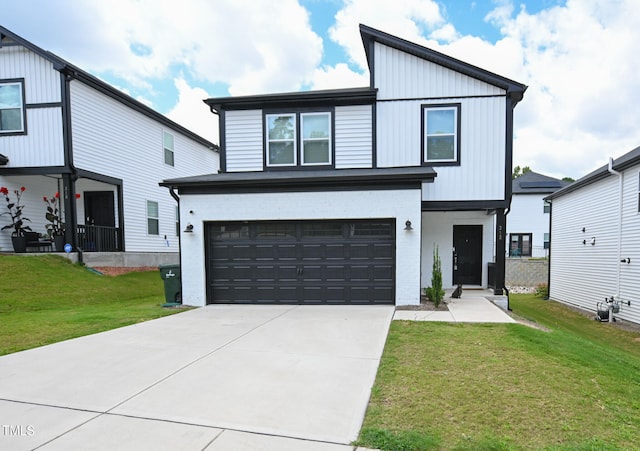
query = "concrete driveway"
x=215 y=378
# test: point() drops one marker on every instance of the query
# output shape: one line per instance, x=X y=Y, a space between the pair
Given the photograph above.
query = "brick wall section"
x=523 y=272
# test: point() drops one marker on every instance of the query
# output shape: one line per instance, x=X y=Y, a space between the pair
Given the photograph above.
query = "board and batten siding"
x=42 y=145
x=400 y=75
x=243 y=136
x=114 y=140
x=583 y=274
x=353 y=137
x=482 y=147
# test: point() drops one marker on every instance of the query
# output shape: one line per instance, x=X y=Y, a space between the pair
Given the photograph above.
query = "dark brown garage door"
x=301 y=262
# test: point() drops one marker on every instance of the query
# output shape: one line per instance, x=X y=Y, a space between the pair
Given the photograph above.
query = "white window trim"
x=165 y=149
x=456 y=128
x=268 y=141
x=148 y=216
x=328 y=138
x=22 y=109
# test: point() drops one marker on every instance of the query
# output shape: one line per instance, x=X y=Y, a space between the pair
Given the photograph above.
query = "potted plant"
x=55 y=226
x=14 y=211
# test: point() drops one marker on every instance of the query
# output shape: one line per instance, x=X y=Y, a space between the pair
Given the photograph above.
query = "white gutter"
x=618 y=262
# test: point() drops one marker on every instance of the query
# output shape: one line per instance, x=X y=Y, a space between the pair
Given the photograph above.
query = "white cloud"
x=191 y=112
x=338 y=77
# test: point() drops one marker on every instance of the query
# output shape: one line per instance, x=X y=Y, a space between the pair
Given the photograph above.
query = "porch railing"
x=92 y=238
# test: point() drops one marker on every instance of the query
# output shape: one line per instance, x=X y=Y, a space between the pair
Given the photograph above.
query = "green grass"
x=507 y=386
x=45 y=299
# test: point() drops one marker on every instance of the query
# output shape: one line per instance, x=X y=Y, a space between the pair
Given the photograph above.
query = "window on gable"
x=11 y=107
x=298 y=139
x=168 y=148
x=520 y=244
x=153 y=221
x=441 y=134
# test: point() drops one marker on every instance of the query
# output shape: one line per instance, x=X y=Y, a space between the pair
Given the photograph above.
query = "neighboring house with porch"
x=65 y=131
x=595 y=238
x=528 y=218
x=340 y=196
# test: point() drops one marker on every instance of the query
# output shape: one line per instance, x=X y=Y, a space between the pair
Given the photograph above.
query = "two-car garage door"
x=301 y=262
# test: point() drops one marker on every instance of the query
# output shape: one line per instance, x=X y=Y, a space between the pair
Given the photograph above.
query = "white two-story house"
x=341 y=196
x=65 y=131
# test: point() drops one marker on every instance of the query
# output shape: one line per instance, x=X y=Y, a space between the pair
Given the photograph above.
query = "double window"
x=12 y=107
x=298 y=139
x=441 y=134
x=520 y=245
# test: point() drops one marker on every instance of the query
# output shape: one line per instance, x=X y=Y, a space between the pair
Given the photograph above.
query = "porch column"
x=501 y=228
x=70 y=212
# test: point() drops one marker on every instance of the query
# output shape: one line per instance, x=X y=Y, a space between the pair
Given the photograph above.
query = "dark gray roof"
x=627 y=160
x=65 y=67
x=370 y=35
x=534 y=183
x=303 y=179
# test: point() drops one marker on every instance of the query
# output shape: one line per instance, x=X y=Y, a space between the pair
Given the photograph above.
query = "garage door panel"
x=297 y=262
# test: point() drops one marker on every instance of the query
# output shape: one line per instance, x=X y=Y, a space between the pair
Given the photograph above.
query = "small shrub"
x=435 y=293
x=542 y=290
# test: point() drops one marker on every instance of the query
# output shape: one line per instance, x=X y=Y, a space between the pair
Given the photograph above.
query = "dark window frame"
x=298 y=142
x=518 y=251
x=23 y=107
x=423 y=134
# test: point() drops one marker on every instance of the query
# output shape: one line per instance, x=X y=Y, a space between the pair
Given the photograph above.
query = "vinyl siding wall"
x=405 y=83
x=583 y=274
x=527 y=216
x=353 y=138
x=43 y=144
x=113 y=140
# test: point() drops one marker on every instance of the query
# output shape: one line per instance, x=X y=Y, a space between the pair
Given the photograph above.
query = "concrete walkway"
x=217 y=378
x=474 y=306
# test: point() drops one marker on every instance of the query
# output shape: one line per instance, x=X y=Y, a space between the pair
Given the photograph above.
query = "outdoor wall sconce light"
x=189 y=228
x=584 y=229
x=626 y=260
x=593 y=240
x=407 y=225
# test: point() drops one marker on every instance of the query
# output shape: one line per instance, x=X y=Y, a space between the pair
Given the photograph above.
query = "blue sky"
x=578 y=57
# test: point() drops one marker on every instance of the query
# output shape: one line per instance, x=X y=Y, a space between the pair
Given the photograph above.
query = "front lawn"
x=45 y=299
x=507 y=386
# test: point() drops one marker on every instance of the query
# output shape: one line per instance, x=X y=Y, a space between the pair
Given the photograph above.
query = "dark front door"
x=99 y=208
x=301 y=262
x=467 y=254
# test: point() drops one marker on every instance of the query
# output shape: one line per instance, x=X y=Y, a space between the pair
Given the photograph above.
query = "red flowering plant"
x=14 y=210
x=55 y=227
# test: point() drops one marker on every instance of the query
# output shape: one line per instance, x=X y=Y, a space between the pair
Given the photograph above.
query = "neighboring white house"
x=595 y=238
x=65 y=131
x=528 y=218
x=340 y=196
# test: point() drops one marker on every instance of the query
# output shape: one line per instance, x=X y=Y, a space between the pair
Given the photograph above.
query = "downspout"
x=177 y=199
x=620 y=176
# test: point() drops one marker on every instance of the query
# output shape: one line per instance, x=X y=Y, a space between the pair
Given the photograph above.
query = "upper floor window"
x=153 y=221
x=11 y=107
x=546 y=207
x=441 y=134
x=298 y=139
x=168 y=148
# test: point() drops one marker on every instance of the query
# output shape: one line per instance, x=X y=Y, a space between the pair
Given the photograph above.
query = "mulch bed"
x=425 y=305
x=119 y=270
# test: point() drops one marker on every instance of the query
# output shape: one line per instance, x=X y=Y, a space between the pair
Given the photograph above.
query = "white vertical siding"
x=527 y=216
x=481 y=173
x=41 y=81
x=42 y=145
x=399 y=75
x=113 y=140
x=353 y=136
x=583 y=274
x=437 y=229
x=244 y=142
